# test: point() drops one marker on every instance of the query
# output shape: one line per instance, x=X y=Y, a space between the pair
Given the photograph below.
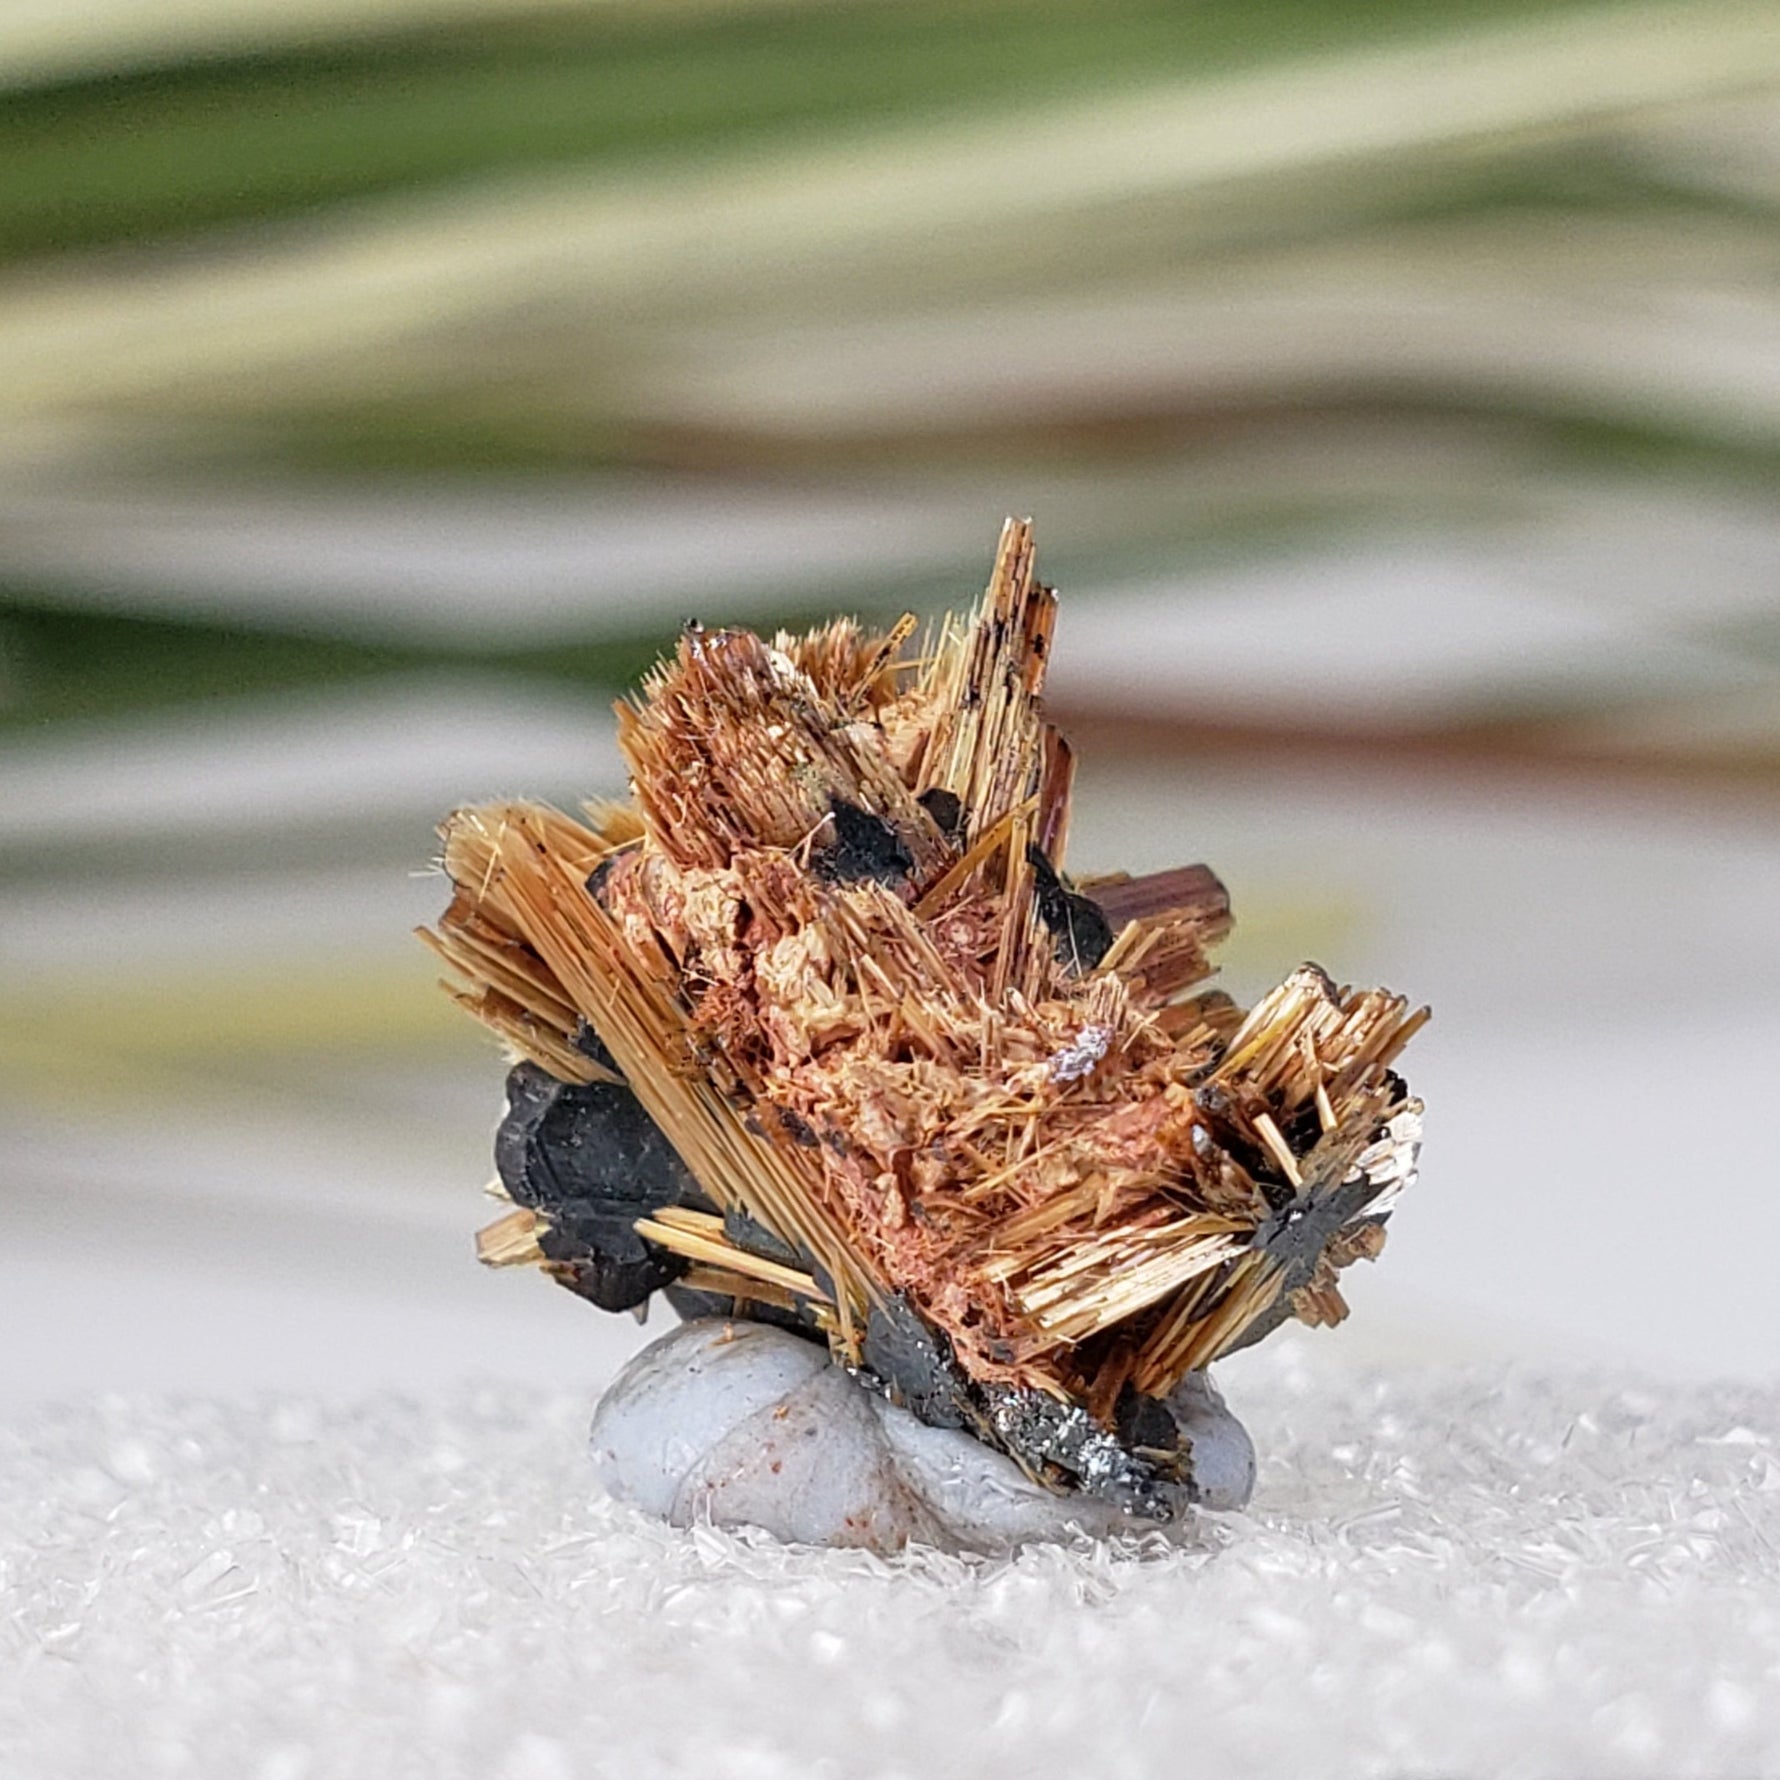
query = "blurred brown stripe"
x=1515 y=759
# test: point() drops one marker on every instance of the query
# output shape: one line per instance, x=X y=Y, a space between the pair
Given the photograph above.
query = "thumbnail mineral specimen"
x=815 y=1031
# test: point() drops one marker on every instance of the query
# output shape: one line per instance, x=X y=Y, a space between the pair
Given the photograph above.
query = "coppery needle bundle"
x=988 y=1131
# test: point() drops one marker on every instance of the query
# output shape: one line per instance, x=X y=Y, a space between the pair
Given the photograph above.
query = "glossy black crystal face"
x=591 y=1161
x=863 y=846
x=1079 y=927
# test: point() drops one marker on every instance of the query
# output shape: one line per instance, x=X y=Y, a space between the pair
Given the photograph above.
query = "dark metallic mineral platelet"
x=863 y=846
x=913 y=1362
x=1041 y=1432
x=1081 y=933
x=592 y=1162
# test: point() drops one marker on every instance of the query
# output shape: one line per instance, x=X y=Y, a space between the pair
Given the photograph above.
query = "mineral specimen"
x=816 y=1031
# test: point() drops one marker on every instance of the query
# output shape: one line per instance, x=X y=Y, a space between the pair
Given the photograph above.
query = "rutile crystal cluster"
x=816 y=1030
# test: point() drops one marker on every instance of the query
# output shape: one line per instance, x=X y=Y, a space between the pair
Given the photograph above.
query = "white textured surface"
x=1442 y=1573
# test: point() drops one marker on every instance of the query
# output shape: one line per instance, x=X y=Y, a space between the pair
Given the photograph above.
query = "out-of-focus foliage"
x=1192 y=281
x=124 y=156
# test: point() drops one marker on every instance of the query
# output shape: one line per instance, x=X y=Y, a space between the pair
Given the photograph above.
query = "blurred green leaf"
x=187 y=148
x=57 y=663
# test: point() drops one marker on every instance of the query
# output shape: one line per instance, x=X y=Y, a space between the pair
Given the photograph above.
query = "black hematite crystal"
x=591 y=1161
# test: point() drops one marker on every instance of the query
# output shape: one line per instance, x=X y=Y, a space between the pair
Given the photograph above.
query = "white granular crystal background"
x=1523 y=1573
